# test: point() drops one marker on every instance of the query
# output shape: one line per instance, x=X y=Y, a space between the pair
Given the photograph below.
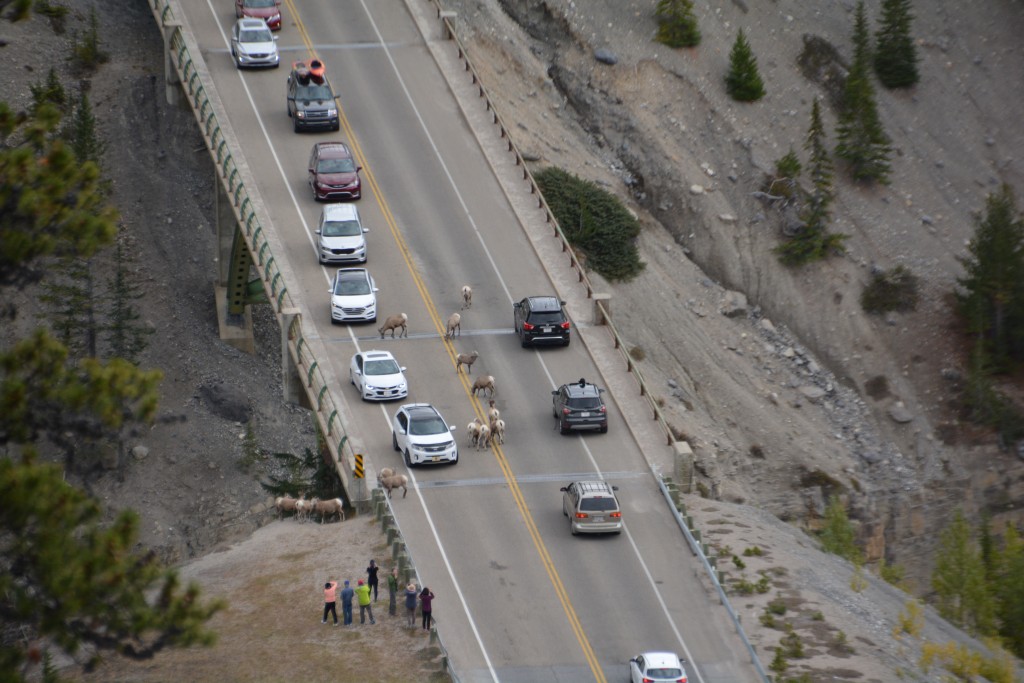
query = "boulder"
x=734 y=304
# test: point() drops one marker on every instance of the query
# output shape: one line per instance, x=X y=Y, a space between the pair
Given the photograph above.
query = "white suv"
x=339 y=235
x=422 y=436
x=592 y=507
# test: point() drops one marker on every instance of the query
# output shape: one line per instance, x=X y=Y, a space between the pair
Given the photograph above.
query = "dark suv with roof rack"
x=579 y=406
x=541 y=320
x=311 y=102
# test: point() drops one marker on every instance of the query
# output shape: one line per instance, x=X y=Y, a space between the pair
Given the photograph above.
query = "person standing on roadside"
x=329 y=601
x=426 y=596
x=371 y=578
x=363 y=593
x=346 y=603
x=410 y=604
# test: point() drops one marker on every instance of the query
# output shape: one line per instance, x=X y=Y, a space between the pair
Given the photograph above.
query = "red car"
x=267 y=10
x=333 y=173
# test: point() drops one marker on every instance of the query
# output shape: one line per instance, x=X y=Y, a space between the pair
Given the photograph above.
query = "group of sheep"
x=303 y=508
x=482 y=434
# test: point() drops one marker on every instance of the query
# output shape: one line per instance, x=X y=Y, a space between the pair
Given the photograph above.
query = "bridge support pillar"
x=291 y=380
x=172 y=83
x=235 y=330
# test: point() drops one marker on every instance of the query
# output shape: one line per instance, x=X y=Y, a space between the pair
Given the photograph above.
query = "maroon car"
x=267 y=10
x=333 y=173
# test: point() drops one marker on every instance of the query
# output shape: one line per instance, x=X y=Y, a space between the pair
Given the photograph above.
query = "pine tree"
x=71 y=578
x=52 y=91
x=837 y=535
x=53 y=204
x=743 y=81
x=991 y=299
x=81 y=133
x=1008 y=588
x=862 y=141
x=813 y=241
x=71 y=297
x=959 y=580
x=677 y=25
x=895 y=53
x=125 y=334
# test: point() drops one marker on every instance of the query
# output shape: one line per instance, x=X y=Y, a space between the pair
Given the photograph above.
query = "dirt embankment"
x=801 y=395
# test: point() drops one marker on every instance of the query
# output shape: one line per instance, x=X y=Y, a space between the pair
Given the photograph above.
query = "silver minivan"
x=339 y=235
x=592 y=507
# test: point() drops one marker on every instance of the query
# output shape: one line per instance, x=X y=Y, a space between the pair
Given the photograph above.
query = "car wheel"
x=351 y=379
x=373 y=319
x=312 y=191
x=337 y=126
x=564 y=428
x=408 y=461
x=565 y=513
x=295 y=126
x=572 y=528
x=394 y=441
x=456 y=460
x=566 y=342
x=604 y=429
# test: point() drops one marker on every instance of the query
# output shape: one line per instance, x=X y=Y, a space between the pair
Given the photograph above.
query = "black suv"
x=311 y=102
x=541 y=320
x=579 y=406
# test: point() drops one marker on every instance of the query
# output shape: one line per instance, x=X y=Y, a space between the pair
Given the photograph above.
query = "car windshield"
x=336 y=166
x=313 y=91
x=668 y=673
x=351 y=286
x=602 y=505
x=428 y=425
x=545 y=318
x=585 y=403
x=259 y=3
x=256 y=36
x=388 y=366
x=341 y=229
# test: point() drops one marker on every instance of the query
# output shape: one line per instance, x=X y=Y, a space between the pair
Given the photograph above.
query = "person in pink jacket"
x=330 y=589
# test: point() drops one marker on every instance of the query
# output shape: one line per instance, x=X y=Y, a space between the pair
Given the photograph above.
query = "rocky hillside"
x=800 y=394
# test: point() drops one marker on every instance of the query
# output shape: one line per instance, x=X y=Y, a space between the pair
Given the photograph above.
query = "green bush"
x=677 y=25
x=86 y=52
x=890 y=290
x=595 y=222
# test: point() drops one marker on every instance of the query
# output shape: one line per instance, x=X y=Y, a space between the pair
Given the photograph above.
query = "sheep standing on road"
x=484 y=440
x=467 y=296
x=473 y=430
x=482 y=383
x=498 y=430
x=492 y=412
x=384 y=473
x=466 y=359
x=394 y=322
x=454 y=325
x=396 y=481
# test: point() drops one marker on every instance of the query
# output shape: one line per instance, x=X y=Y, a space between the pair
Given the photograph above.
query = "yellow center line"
x=440 y=327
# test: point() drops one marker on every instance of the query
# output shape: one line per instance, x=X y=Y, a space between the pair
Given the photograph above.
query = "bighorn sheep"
x=484 y=382
x=467 y=296
x=466 y=359
x=384 y=473
x=284 y=504
x=484 y=440
x=498 y=430
x=302 y=508
x=396 y=481
x=329 y=508
x=473 y=429
x=394 y=322
x=492 y=412
x=454 y=324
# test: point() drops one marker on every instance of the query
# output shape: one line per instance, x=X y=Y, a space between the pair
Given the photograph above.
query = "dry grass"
x=271 y=629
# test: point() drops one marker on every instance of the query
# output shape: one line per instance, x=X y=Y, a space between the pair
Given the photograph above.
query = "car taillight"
x=616 y=515
x=566 y=411
x=527 y=327
x=581 y=515
x=565 y=325
x=604 y=409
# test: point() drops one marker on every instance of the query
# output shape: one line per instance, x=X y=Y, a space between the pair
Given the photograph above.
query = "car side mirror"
x=366 y=230
x=562 y=303
x=275 y=39
x=318 y=232
x=555 y=392
x=400 y=430
x=336 y=97
x=600 y=391
x=564 y=488
x=358 y=169
x=376 y=289
x=615 y=488
x=451 y=428
x=402 y=368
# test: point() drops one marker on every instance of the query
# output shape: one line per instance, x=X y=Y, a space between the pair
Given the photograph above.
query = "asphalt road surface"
x=518 y=597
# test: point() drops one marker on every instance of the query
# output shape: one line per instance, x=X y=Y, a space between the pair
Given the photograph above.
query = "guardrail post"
x=604 y=301
x=397 y=548
x=446 y=16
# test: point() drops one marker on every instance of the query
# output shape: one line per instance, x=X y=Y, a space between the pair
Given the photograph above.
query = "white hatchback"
x=378 y=376
x=339 y=235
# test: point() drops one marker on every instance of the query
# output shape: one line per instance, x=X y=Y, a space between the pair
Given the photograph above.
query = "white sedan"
x=655 y=667
x=378 y=376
